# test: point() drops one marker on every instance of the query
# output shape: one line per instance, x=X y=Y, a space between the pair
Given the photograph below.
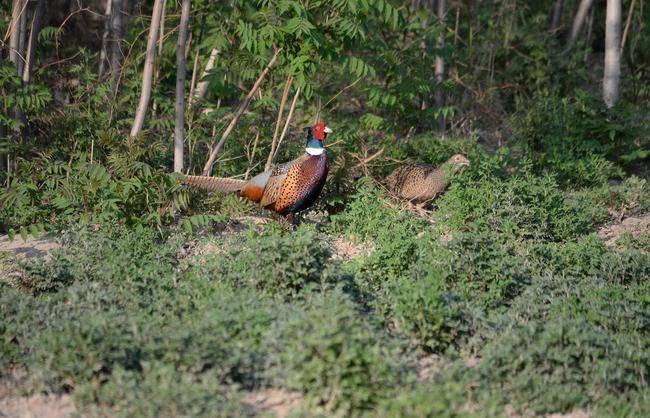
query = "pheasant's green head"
x=316 y=135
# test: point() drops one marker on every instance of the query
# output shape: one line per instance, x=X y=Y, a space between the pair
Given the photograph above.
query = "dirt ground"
x=38 y=405
x=276 y=401
x=27 y=249
x=633 y=225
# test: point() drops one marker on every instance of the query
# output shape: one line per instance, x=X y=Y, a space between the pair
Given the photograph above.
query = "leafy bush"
x=368 y=218
x=636 y=404
x=423 y=309
x=159 y=390
x=124 y=304
x=561 y=364
x=444 y=400
x=58 y=194
x=341 y=360
x=110 y=254
x=477 y=266
x=274 y=263
x=588 y=257
x=570 y=259
x=87 y=347
x=522 y=207
x=629 y=197
x=579 y=140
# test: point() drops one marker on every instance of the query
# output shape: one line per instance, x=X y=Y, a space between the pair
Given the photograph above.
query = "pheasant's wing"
x=254 y=188
x=409 y=182
x=276 y=179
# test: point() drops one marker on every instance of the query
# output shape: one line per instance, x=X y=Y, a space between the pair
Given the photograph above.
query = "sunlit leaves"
x=299 y=26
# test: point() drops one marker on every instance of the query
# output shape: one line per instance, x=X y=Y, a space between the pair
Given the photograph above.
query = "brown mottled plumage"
x=423 y=182
x=285 y=189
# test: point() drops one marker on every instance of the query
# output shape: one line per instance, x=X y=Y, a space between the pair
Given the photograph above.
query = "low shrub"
x=443 y=400
x=134 y=256
x=368 y=218
x=522 y=207
x=561 y=364
x=636 y=404
x=481 y=267
x=274 y=263
x=426 y=311
x=578 y=140
x=159 y=390
x=630 y=196
x=327 y=349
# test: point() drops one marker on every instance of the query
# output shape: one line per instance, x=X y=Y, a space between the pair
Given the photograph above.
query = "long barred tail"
x=215 y=184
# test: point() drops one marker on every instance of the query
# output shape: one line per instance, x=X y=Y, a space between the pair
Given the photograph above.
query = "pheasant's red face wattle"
x=319 y=131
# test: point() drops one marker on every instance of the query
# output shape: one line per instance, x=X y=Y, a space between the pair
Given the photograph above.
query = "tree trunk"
x=579 y=20
x=33 y=40
x=242 y=107
x=557 y=14
x=180 y=87
x=115 y=44
x=21 y=38
x=161 y=34
x=202 y=86
x=147 y=73
x=14 y=57
x=440 y=63
x=14 y=40
x=103 y=54
x=612 y=74
x=161 y=41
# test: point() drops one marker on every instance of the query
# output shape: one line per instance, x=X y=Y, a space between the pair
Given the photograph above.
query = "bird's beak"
x=328 y=130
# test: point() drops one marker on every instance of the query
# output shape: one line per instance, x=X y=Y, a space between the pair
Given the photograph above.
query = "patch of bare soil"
x=277 y=401
x=578 y=413
x=35 y=406
x=20 y=249
x=511 y=412
x=428 y=366
x=213 y=241
x=634 y=225
x=343 y=249
x=30 y=248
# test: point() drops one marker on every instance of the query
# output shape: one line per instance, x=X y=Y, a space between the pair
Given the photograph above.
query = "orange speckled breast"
x=303 y=184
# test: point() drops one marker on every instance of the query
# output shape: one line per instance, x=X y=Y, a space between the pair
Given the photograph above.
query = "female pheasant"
x=285 y=189
x=420 y=183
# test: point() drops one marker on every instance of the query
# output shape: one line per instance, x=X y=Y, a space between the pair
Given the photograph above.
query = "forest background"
x=522 y=291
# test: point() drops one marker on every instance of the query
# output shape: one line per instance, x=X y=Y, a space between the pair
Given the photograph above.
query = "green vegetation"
x=503 y=297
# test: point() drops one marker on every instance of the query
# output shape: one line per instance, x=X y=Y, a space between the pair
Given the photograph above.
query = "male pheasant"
x=284 y=189
x=421 y=183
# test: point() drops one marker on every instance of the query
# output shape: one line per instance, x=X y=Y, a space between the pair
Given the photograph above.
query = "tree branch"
x=242 y=107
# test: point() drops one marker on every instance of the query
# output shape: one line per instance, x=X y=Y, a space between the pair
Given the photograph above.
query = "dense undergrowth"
x=523 y=303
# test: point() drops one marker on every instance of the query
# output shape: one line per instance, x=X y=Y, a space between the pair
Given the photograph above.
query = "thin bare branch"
x=627 y=25
x=286 y=123
x=278 y=122
x=242 y=107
